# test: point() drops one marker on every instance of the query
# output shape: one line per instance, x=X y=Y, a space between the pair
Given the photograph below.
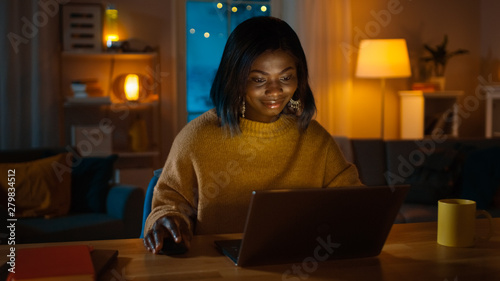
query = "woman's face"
x=270 y=86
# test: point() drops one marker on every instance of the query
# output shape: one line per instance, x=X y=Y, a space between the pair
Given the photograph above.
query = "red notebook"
x=53 y=263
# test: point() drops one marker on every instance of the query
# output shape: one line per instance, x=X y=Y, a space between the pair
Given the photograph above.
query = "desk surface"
x=410 y=253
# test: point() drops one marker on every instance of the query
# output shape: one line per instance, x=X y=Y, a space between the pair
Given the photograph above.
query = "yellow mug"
x=457 y=223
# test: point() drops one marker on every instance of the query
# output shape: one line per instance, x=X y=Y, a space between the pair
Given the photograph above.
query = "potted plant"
x=439 y=57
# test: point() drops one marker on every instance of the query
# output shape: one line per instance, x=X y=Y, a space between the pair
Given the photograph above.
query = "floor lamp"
x=383 y=58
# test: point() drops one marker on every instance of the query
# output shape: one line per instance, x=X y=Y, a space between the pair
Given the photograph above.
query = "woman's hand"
x=167 y=227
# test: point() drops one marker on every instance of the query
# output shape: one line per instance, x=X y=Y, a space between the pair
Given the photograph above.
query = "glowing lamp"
x=381 y=59
x=131 y=87
x=111 y=26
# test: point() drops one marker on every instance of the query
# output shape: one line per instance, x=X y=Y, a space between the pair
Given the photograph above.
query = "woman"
x=259 y=136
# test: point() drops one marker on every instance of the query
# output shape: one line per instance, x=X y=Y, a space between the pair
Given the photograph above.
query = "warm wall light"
x=131 y=87
x=111 y=26
x=383 y=58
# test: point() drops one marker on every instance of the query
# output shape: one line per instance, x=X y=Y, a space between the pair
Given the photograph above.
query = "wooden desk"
x=410 y=253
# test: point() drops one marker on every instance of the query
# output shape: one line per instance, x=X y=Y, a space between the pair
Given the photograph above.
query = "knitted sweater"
x=208 y=176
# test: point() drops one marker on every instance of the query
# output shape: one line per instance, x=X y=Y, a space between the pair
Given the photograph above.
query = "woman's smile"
x=273 y=103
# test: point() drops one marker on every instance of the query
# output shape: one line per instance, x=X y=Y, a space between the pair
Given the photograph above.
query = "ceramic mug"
x=457 y=223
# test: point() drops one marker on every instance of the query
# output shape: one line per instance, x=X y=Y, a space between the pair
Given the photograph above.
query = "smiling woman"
x=271 y=85
x=259 y=136
x=274 y=58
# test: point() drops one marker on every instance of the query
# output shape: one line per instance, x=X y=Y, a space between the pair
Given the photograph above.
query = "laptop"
x=291 y=225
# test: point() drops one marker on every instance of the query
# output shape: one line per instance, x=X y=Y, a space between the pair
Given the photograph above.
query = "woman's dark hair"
x=249 y=40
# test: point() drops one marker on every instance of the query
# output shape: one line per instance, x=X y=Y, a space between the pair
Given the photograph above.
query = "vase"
x=138 y=135
x=438 y=80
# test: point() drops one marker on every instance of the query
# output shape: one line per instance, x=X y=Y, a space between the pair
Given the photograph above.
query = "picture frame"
x=82 y=27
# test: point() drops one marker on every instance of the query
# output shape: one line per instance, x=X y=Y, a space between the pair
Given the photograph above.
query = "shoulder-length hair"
x=250 y=39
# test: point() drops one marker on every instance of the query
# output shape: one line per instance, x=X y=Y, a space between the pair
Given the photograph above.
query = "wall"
x=490 y=40
x=419 y=22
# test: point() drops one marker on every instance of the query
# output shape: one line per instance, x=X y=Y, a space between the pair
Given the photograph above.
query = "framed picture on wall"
x=82 y=27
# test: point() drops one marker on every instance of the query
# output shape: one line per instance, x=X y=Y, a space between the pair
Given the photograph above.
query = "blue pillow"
x=90 y=183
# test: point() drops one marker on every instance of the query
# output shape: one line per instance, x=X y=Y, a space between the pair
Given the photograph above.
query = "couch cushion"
x=431 y=166
x=345 y=146
x=90 y=184
x=369 y=158
x=436 y=178
x=25 y=155
x=481 y=176
x=78 y=227
x=40 y=190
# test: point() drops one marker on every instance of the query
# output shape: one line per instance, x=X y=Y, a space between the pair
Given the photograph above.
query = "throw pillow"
x=90 y=184
x=40 y=190
x=437 y=177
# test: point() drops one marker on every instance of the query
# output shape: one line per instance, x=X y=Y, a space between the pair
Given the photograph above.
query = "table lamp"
x=383 y=58
x=132 y=87
x=111 y=20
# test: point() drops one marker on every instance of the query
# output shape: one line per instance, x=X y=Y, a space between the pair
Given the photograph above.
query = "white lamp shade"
x=383 y=58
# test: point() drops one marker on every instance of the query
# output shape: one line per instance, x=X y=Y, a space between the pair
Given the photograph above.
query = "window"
x=209 y=24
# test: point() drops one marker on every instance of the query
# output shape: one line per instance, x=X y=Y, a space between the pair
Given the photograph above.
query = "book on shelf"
x=58 y=263
x=425 y=86
x=88 y=100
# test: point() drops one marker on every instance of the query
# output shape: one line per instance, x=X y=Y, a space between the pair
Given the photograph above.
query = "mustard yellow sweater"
x=209 y=176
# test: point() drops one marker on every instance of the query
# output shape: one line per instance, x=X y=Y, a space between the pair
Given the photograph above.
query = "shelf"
x=492 y=117
x=70 y=101
x=424 y=112
x=434 y=94
x=103 y=55
x=77 y=102
x=107 y=121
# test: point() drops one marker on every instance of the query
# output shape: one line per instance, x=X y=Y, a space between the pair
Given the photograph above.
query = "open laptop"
x=288 y=226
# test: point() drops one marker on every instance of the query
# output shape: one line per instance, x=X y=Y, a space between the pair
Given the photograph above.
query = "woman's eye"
x=258 y=80
x=286 y=78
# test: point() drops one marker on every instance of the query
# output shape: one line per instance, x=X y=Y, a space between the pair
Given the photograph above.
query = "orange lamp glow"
x=383 y=58
x=132 y=87
x=111 y=26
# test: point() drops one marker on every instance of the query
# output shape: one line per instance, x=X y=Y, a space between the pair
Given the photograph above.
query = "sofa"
x=435 y=168
x=56 y=195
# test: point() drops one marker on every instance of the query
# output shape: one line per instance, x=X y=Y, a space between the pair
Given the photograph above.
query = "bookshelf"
x=97 y=123
x=424 y=113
